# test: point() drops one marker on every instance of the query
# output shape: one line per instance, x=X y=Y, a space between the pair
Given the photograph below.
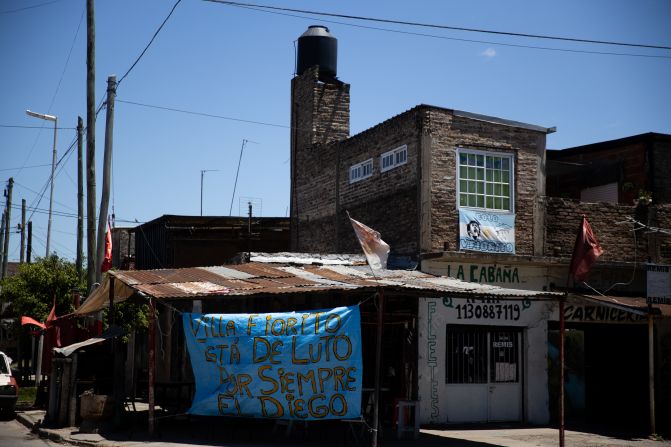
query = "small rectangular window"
x=396 y=157
x=361 y=171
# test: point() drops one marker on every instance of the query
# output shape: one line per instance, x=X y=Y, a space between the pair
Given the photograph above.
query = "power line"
x=208 y=115
x=11 y=11
x=58 y=87
x=448 y=27
x=149 y=44
x=25 y=167
x=34 y=127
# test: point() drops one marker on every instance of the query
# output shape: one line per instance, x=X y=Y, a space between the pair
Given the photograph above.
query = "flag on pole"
x=27 y=320
x=375 y=249
x=107 y=260
x=51 y=323
x=585 y=252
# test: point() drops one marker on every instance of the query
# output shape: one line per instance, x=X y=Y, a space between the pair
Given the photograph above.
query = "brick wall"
x=319 y=115
x=617 y=240
x=449 y=132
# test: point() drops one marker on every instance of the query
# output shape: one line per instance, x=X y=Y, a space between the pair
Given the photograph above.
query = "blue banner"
x=289 y=365
x=485 y=231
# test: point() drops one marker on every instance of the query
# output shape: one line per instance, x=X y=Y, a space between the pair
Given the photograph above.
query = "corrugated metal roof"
x=637 y=305
x=278 y=278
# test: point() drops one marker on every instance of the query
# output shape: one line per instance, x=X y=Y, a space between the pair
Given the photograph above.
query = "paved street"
x=205 y=433
x=12 y=433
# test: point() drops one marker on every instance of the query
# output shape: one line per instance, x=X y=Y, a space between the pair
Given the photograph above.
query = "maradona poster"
x=487 y=232
x=280 y=365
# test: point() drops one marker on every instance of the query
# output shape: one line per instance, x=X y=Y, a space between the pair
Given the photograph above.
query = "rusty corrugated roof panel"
x=260 y=270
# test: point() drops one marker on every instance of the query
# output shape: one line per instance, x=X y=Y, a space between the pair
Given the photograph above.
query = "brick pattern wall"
x=320 y=115
x=563 y=220
x=450 y=132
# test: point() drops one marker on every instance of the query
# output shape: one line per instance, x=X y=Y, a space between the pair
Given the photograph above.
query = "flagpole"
x=562 y=324
x=378 y=366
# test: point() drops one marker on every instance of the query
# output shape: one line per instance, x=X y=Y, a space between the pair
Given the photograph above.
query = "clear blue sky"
x=238 y=63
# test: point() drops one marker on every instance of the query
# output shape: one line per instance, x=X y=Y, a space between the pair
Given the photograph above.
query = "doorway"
x=483 y=374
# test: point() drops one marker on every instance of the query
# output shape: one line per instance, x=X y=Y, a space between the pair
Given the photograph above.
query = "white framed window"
x=485 y=180
x=393 y=158
x=361 y=171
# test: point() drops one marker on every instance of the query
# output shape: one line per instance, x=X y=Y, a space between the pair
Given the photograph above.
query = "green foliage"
x=33 y=290
x=130 y=315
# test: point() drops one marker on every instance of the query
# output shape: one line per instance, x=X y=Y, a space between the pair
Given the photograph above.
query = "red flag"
x=52 y=316
x=375 y=249
x=107 y=260
x=27 y=320
x=51 y=324
x=585 y=251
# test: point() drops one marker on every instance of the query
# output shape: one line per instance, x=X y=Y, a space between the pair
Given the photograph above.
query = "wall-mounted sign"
x=487 y=232
x=658 y=284
x=296 y=365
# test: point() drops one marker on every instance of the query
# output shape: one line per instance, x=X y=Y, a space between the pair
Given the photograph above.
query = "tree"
x=33 y=290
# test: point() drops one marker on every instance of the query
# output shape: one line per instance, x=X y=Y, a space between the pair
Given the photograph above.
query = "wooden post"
x=22 y=255
x=64 y=394
x=151 y=360
x=561 y=371
x=29 y=245
x=8 y=226
x=651 y=369
x=53 y=390
x=72 y=410
x=378 y=368
x=107 y=175
x=90 y=146
x=80 y=198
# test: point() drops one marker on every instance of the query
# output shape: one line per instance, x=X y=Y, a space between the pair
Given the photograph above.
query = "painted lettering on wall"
x=295 y=365
x=600 y=313
x=432 y=361
x=487 y=309
x=484 y=273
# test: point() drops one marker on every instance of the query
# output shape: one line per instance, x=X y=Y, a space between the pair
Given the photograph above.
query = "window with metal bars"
x=482 y=355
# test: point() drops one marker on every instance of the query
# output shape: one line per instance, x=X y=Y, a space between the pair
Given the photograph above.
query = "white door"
x=505 y=388
x=483 y=374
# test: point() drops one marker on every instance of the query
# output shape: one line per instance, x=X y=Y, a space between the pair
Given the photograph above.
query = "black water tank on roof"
x=317 y=46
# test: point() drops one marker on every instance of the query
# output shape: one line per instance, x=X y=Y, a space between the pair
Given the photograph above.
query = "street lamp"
x=202 y=174
x=53 y=168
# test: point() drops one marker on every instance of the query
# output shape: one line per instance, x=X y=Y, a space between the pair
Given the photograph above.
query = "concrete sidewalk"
x=183 y=435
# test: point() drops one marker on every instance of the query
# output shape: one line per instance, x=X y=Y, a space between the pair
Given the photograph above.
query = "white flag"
x=375 y=249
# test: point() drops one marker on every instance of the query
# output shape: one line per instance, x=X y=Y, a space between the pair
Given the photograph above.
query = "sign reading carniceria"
x=295 y=365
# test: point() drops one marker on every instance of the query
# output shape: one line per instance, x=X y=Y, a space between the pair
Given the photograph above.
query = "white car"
x=9 y=389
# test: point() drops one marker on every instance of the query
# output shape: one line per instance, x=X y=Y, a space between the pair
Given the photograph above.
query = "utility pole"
x=29 y=246
x=22 y=257
x=202 y=174
x=8 y=226
x=107 y=170
x=90 y=144
x=2 y=238
x=80 y=196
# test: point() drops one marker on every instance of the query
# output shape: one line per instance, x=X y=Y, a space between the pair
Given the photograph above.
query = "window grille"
x=396 y=157
x=485 y=180
x=482 y=355
x=361 y=171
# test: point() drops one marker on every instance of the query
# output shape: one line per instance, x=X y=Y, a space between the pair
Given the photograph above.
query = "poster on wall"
x=487 y=232
x=290 y=365
x=658 y=284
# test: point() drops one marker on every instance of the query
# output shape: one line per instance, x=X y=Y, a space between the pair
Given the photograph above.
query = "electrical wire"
x=434 y=36
x=16 y=126
x=58 y=87
x=11 y=11
x=208 y=115
x=150 y=42
x=26 y=167
x=446 y=27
